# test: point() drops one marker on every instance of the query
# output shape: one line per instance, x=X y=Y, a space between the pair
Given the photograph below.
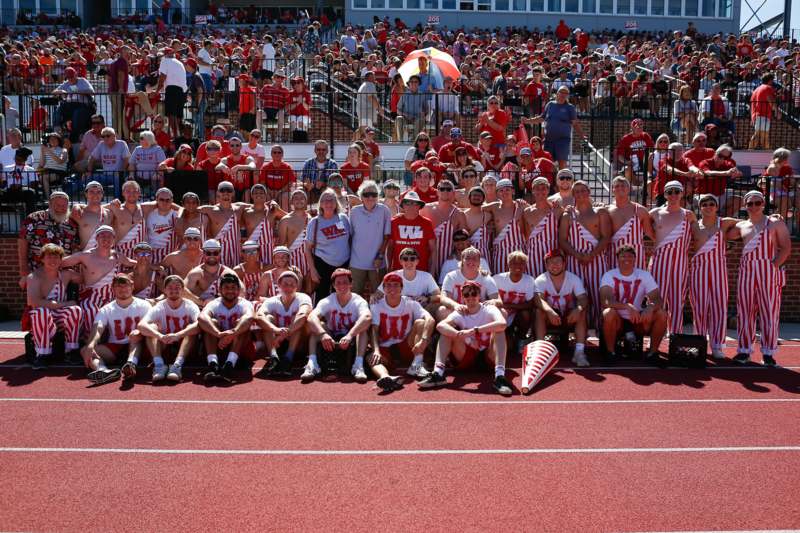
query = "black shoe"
x=433 y=381
x=503 y=386
x=271 y=363
x=39 y=362
x=742 y=358
x=212 y=373
x=284 y=369
x=654 y=359
x=73 y=358
x=128 y=371
x=227 y=371
x=100 y=377
x=611 y=357
x=769 y=360
x=389 y=384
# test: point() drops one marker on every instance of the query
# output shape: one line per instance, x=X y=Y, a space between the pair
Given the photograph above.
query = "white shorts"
x=365 y=122
x=761 y=124
x=299 y=122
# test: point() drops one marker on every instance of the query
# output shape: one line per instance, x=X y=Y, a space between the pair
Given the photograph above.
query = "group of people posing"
x=374 y=281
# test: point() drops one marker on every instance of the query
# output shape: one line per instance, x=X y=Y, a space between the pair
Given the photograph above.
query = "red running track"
x=596 y=475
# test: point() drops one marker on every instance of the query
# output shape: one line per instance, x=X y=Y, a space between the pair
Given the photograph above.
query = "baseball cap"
x=341 y=272
x=526 y=151
x=448 y=122
x=92 y=185
x=469 y=284
x=280 y=74
x=103 y=228
x=249 y=245
x=504 y=183
x=455 y=132
x=555 y=252
x=753 y=194
x=709 y=196
x=289 y=274
x=540 y=181
x=280 y=250
x=412 y=196
x=674 y=184
x=393 y=277
x=191 y=62
x=212 y=244
x=192 y=232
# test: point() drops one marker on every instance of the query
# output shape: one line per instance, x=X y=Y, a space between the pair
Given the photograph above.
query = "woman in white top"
x=655 y=157
x=53 y=163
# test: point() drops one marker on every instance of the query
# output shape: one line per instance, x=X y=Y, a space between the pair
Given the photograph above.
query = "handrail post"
x=330 y=113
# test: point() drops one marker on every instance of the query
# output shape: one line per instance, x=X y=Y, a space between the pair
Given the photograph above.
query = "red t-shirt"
x=446 y=153
x=214 y=176
x=273 y=97
x=541 y=167
x=632 y=144
x=492 y=154
x=431 y=195
x=663 y=177
x=415 y=233
x=299 y=110
x=713 y=185
x=354 y=175
x=760 y=105
x=437 y=169
x=536 y=154
x=698 y=155
x=162 y=139
x=502 y=118
x=744 y=49
x=537 y=94
x=242 y=179
x=247 y=100
x=202 y=154
x=170 y=162
x=276 y=176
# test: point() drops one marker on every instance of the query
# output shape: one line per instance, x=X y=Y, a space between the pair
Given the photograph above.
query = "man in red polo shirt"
x=412 y=230
x=495 y=121
x=714 y=174
x=699 y=152
x=210 y=167
x=632 y=149
x=278 y=176
x=217 y=134
x=447 y=152
x=423 y=187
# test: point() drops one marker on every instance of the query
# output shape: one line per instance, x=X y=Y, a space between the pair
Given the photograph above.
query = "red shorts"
x=390 y=354
x=119 y=350
x=471 y=356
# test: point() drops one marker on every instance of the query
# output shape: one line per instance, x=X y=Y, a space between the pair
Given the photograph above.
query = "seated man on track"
x=225 y=322
x=282 y=318
x=472 y=331
x=454 y=282
x=169 y=326
x=339 y=323
x=515 y=296
x=418 y=285
x=622 y=291
x=48 y=308
x=203 y=282
x=119 y=319
x=400 y=328
x=561 y=303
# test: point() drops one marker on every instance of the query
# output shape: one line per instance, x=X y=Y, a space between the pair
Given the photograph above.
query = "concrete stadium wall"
x=12 y=298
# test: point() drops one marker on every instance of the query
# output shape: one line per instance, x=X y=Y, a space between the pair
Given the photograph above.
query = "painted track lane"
x=552 y=493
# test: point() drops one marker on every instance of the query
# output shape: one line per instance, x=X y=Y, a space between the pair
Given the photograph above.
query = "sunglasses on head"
x=369 y=194
x=756 y=203
x=211 y=253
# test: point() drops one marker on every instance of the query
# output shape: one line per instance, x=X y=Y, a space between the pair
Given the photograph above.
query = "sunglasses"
x=672 y=192
x=106 y=136
x=226 y=190
x=277 y=151
x=235 y=145
x=164 y=199
x=250 y=252
x=212 y=149
x=470 y=294
x=210 y=253
x=409 y=258
x=369 y=194
x=192 y=238
x=97 y=123
x=565 y=178
x=255 y=135
x=754 y=204
x=320 y=149
x=144 y=253
x=445 y=189
x=707 y=204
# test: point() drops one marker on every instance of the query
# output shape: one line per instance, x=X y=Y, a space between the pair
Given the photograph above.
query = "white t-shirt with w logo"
x=629 y=289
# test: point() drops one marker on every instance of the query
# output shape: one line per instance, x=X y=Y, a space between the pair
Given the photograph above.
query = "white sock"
x=158 y=360
x=499 y=370
x=134 y=360
x=417 y=360
x=179 y=360
x=273 y=352
x=579 y=347
x=101 y=365
x=439 y=369
x=359 y=362
x=69 y=346
x=313 y=359
x=212 y=358
x=232 y=358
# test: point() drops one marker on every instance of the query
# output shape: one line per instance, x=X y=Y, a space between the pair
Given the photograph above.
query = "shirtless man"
x=292 y=234
x=767 y=246
x=98 y=266
x=260 y=220
x=238 y=168
x=563 y=196
x=446 y=219
x=145 y=275
x=669 y=264
x=160 y=223
x=268 y=282
x=88 y=217
x=708 y=275
x=584 y=233
x=477 y=223
x=48 y=309
x=187 y=257
x=250 y=270
x=469 y=180
x=541 y=226
x=202 y=282
x=223 y=223
x=129 y=218
x=489 y=186
x=189 y=217
x=630 y=223
x=506 y=219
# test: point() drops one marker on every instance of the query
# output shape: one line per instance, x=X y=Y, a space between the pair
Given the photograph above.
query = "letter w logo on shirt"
x=410 y=232
x=625 y=291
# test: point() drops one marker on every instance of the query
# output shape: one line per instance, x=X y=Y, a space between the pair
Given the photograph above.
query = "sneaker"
x=174 y=373
x=579 y=359
x=159 y=373
x=503 y=386
x=39 y=362
x=284 y=369
x=99 y=377
x=128 y=371
x=769 y=360
x=359 y=374
x=417 y=371
x=433 y=381
x=611 y=357
x=73 y=358
x=310 y=372
x=717 y=354
x=653 y=358
x=271 y=363
x=227 y=371
x=742 y=358
x=389 y=384
x=212 y=372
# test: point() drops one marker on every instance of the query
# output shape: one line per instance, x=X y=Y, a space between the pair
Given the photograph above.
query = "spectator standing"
x=117 y=74
x=763 y=106
x=559 y=117
x=316 y=170
x=371 y=226
x=367 y=104
x=172 y=78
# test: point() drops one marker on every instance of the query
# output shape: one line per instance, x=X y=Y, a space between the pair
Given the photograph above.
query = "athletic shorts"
x=761 y=123
x=174 y=100
x=560 y=148
x=247 y=121
x=271 y=114
x=120 y=351
x=396 y=352
x=472 y=358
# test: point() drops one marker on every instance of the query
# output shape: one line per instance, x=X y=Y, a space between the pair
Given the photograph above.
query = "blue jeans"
x=199 y=119
x=207 y=86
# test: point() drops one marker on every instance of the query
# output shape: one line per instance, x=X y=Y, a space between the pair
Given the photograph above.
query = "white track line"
x=558 y=368
x=398 y=402
x=520 y=451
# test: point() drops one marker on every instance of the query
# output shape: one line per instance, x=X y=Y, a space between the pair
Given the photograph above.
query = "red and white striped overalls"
x=632 y=234
x=509 y=239
x=44 y=322
x=265 y=239
x=759 y=292
x=444 y=243
x=583 y=241
x=708 y=289
x=670 y=268
x=543 y=238
x=230 y=238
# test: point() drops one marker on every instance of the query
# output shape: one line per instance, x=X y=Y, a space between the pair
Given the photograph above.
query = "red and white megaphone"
x=539 y=359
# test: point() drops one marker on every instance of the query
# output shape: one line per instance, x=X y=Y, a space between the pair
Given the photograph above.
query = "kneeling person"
x=119 y=319
x=622 y=291
x=466 y=334
x=169 y=326
x=225 y=322
x=283 y=321
x=339 y=323
x=561 y=303
x=399 y=326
